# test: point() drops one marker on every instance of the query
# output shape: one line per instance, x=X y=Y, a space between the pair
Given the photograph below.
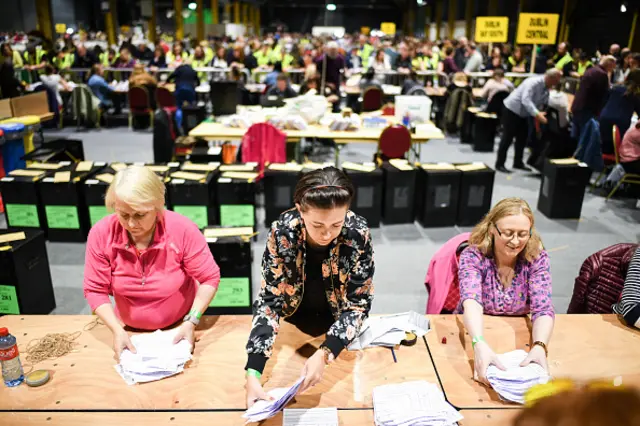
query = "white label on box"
x=224 y=180
x=64 y=163
x=173 y=164
x=178 y=181
x=100 y=163
x=7 y=179
x=48 y=180
x=91 y=182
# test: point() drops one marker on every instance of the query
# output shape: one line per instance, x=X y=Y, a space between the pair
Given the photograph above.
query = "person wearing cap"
x=317 y=274
x=155 y=263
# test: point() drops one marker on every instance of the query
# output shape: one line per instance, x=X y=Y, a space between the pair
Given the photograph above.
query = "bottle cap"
x=410 y=339
x=37 y=378
x=4 y=331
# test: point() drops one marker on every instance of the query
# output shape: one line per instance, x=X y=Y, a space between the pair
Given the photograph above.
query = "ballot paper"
x=262 y=410
x=389 y=330
x=156 y=357
x=412 y=404
x=310 y=417
x=513 y=383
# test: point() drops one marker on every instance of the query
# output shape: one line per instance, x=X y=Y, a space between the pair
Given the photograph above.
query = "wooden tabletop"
x=217 y=131
x=487 y=417
x=346 y=418
x=86 y=379
x=583 y=347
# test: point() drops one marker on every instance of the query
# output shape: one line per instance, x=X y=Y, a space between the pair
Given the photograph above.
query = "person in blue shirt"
x=623 y=101
x=271 y=78
x=101 y=88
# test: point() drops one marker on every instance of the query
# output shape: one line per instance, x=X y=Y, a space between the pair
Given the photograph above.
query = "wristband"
x=476 y=340
x=195 y=313
x=253 y=373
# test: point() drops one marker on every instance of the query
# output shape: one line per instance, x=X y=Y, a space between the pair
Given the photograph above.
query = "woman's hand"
x=483 y=358
x=186 y=332
x=537 y=355
x=255 y=391
x=313 y=370
x=121 y=341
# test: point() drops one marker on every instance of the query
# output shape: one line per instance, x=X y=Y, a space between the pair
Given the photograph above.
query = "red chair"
x=389 y=109
x=372 y=99
x=165 y=99
x=395 y=142
x=139 y=104
x=609 y=159
x=263 y=143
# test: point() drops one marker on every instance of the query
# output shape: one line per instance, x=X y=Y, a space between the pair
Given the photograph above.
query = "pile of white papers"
x=513 y=383
x=389 y=330
x=156 y=357
x=262 y=410
x=310 y=417
x=418 y=403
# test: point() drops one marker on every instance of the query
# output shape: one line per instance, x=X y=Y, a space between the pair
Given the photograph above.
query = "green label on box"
x=23 y=215
x=96 y=213
x=237 y=215
x=232 y=293
x=62 y=217
x=8 y=300
x=198 y=214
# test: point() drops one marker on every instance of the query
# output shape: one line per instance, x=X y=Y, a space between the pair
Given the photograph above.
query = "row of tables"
x=85 y=386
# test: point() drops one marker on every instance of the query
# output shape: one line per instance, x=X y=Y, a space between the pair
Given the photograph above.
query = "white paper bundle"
x=513 y=383
x=262 y=410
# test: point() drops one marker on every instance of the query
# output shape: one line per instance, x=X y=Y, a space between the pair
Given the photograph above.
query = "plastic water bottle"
x=12 y=372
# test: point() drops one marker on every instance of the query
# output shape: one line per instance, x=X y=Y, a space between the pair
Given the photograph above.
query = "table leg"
x=337 y=156
x=299 y=150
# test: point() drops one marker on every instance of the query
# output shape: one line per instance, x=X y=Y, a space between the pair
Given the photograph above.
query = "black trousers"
x=632 y=167
x=512 y=126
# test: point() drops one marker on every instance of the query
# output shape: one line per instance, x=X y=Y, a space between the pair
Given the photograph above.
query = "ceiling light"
x=192 y=6
x=623 y=8
x=69 y=30
x=331 y=7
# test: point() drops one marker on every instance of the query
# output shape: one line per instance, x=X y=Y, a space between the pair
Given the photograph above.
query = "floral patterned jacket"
x=348 y=275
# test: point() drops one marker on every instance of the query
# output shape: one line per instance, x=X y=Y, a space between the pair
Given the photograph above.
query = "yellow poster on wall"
x=537 y=28
x=492 y=29
x=389 y=28
x=365 y=30
x=61 y=28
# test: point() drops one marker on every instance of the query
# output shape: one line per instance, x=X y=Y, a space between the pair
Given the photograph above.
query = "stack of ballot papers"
x=418 y=403
x=389 y=330
x=310 y=417
x=262 y=410
x=513 y=383
x=156 y=357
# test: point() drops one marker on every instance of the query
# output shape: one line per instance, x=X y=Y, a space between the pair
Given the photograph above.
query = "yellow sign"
x=125 y=29
x=365 y=30
x=61 y=28
x=389 y=28
x=537 y=28
x=492 y=29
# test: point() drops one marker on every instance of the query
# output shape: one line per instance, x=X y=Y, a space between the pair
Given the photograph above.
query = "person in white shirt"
x=475 y=61
x=53 y=81
x=496 y=84
x=381 y=64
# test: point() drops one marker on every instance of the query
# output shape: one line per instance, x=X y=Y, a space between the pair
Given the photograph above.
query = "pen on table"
x=394 y=355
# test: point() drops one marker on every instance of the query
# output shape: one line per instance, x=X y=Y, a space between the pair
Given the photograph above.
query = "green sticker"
x=232 y=293
x=198 y=214
x=23 y=215
x=237 y=215
x=62 y=217
x=96 y=213
x=8 y=300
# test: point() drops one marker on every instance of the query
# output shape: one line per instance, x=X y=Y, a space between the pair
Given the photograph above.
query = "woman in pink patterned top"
x=505 y=271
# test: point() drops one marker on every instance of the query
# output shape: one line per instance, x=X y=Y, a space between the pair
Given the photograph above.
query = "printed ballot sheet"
x=263 y=410
x=513 y=383
x=389 y=330
x=310 y=417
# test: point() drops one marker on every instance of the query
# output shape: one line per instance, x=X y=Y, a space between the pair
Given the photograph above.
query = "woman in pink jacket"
x=155 y=263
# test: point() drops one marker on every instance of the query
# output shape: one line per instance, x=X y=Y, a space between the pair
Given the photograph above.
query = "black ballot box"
x=236 y=193
x=203 y=152
x=231 y=249
x=192 y=191
x=63 y=200
x=484 y=132
x=437 y=194
x=466 y=132
x=22 y=199
x=279 y=182
x=25 y=279
x=58 y=150
x=367 y=181
x=562 y=188
x=399 y=190
x=476 y=190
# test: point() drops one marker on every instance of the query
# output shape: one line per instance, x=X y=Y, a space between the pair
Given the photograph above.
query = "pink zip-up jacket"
x=156 y=289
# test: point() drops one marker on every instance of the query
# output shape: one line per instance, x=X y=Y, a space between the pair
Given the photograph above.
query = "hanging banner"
x=492 y=29
x=389 y=28
x=537 y=28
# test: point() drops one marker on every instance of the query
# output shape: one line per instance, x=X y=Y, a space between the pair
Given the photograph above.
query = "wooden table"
x=583 y=347
x=86 y=379
x=488 y=417
x=346 y=418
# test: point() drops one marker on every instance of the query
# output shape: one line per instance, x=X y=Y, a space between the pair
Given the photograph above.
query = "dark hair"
x=282 y=77
x=49 y=69
x=369 y=74
x=632 y=83
x=324 y=189
x=498 y=72
x=277 y=67
x=448 y=51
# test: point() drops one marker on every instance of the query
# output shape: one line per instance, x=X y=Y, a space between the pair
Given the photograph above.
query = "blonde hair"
x=137 y=186
x=460 y=77
x=482 y=238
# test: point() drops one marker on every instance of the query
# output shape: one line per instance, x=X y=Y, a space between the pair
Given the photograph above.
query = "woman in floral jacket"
x=317 y=274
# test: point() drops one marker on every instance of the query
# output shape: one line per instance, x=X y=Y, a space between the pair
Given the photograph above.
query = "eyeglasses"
x=509 y=235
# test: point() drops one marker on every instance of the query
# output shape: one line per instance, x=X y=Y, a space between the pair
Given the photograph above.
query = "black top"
x=184 y=75
x=85 y=61
x=314 y=316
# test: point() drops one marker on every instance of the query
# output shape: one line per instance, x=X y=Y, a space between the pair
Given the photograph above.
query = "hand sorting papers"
x=310 y=417
x=262 y=410
x=389 y=330
x=156 y=357
x=513 y=383
x=418 y=403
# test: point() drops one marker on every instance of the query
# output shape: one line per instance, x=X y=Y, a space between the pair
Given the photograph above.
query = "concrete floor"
x=402 y=252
